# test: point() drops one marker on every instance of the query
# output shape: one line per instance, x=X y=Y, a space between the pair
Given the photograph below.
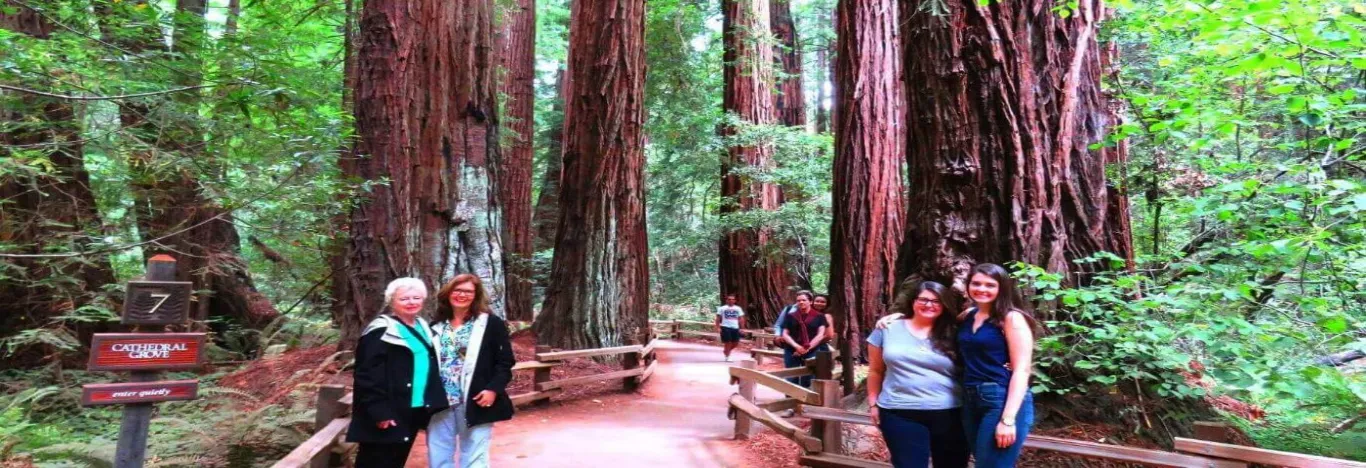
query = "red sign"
x=138 y=392
x=146 y=351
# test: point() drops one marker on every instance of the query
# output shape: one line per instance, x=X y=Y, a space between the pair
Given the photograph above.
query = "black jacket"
x=383 y=385
x=492 y=371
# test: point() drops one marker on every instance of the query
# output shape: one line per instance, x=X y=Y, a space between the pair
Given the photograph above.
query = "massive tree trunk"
x=424 y=107
x=751 y=260
x=518 y=54
x=547 y=215
x=869 y=213
x=51 y=209
x=789 y=99
x=822 y=76
x=1003 y=104
x=599 y=291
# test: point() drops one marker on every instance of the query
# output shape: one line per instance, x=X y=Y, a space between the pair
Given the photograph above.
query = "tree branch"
x=101 y=98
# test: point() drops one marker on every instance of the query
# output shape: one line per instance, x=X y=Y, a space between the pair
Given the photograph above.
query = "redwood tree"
x=746 y=267
x=547 y=215
x=424 y=108
x=868 y=209
x=599 y=292
x=788 y=99
x=43 y=209
x=518 y=54
x=1004 y=104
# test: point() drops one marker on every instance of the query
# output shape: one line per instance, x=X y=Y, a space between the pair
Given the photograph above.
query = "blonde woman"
x=476 y=360
x=397 y=386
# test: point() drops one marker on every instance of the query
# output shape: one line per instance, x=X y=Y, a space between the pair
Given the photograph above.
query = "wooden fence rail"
x=334 y=402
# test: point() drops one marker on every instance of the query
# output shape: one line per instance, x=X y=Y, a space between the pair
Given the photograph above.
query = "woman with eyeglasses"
x=913 y=393
x=475 y=356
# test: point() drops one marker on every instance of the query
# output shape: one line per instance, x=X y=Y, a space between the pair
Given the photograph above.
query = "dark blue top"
x=984 y=353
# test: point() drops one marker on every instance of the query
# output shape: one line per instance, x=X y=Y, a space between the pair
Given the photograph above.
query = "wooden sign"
x=157 y=302
x=146 y=351
x=138 y=392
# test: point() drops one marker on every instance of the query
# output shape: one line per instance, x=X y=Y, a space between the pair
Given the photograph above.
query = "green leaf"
x=1334 y=324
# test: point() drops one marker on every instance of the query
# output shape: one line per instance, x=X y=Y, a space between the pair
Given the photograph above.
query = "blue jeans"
x=915 y=436
x=982 y=407
x=448 y=434
x=791 y=360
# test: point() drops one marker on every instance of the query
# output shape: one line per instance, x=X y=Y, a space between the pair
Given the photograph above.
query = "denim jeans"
x=447 y=433
x=915 y=436
x=982 y=407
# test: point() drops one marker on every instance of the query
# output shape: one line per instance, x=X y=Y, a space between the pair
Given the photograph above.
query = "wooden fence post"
x=131 y=449
x=1211 y=431
x=630 y=361
x=673 y=329
x=542 y=374
x=828 y=431
x=823 y=365
x=328 y=409
x=743 y=423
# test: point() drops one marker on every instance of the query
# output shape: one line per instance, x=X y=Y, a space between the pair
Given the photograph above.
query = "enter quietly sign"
x=138 y=392
x=146 y=351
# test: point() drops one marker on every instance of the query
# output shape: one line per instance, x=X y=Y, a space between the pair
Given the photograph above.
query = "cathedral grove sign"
x=146 y=351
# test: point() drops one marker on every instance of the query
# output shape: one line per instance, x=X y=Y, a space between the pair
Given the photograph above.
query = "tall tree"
x=747 y=268
x=788 y=98
x=599 y=292
x=822 y=76
x=46 y=203
x=547 y=216
x=518 y=54
x=868 y=209
x=1004 y=105
x=425 y=118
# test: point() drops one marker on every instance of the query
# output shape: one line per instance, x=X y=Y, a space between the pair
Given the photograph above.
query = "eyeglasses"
x=927 y=302
x=462 y=292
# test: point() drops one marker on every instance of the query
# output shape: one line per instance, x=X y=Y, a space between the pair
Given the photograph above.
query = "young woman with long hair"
x=913 y=393
x=996 y=342
x=475 y=355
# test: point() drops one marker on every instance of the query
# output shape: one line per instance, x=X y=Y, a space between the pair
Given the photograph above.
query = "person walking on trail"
x=397 y=386
x=476 y=359
x=996 y=347
x=803 y=332
x=730 y=319
x=913 y=393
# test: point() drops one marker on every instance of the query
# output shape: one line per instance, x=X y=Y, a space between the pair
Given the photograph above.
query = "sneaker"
x=727 y=358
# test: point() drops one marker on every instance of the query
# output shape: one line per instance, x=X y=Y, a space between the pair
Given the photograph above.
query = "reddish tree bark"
x=822 y=70
x=52 y=209
x=1003 y=103
x=518 y=54
x=869 y=213
x=599 y=292
x=547 y=216
x=789 y=99
x=747 y=266
x=424 y=107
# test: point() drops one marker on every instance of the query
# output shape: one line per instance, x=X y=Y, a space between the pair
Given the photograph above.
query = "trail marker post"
x=159 y=300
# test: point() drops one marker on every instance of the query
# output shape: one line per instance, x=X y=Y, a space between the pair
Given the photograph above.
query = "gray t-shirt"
x=918 y=376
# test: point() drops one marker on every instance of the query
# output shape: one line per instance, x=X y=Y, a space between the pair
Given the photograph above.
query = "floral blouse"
x=453 y=344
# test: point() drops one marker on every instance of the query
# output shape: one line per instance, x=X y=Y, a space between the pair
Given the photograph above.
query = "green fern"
x=96 y=453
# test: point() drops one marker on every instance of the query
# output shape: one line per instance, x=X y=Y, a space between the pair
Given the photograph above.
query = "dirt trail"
x=678 y=419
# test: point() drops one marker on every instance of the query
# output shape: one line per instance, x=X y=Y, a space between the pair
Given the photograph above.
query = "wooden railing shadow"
x=323 y=449
x=822 y=444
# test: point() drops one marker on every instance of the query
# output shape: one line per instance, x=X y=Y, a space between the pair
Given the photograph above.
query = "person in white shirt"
x=730 y=318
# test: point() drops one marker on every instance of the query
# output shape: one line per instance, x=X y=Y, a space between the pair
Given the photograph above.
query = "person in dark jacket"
x=475 y=356
x=397 y=385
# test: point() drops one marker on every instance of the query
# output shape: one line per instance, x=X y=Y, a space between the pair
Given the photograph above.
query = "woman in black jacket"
x=397 y=385
x=476 y=360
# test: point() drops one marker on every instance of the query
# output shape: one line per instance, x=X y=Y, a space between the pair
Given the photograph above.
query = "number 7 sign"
x=157 y=302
